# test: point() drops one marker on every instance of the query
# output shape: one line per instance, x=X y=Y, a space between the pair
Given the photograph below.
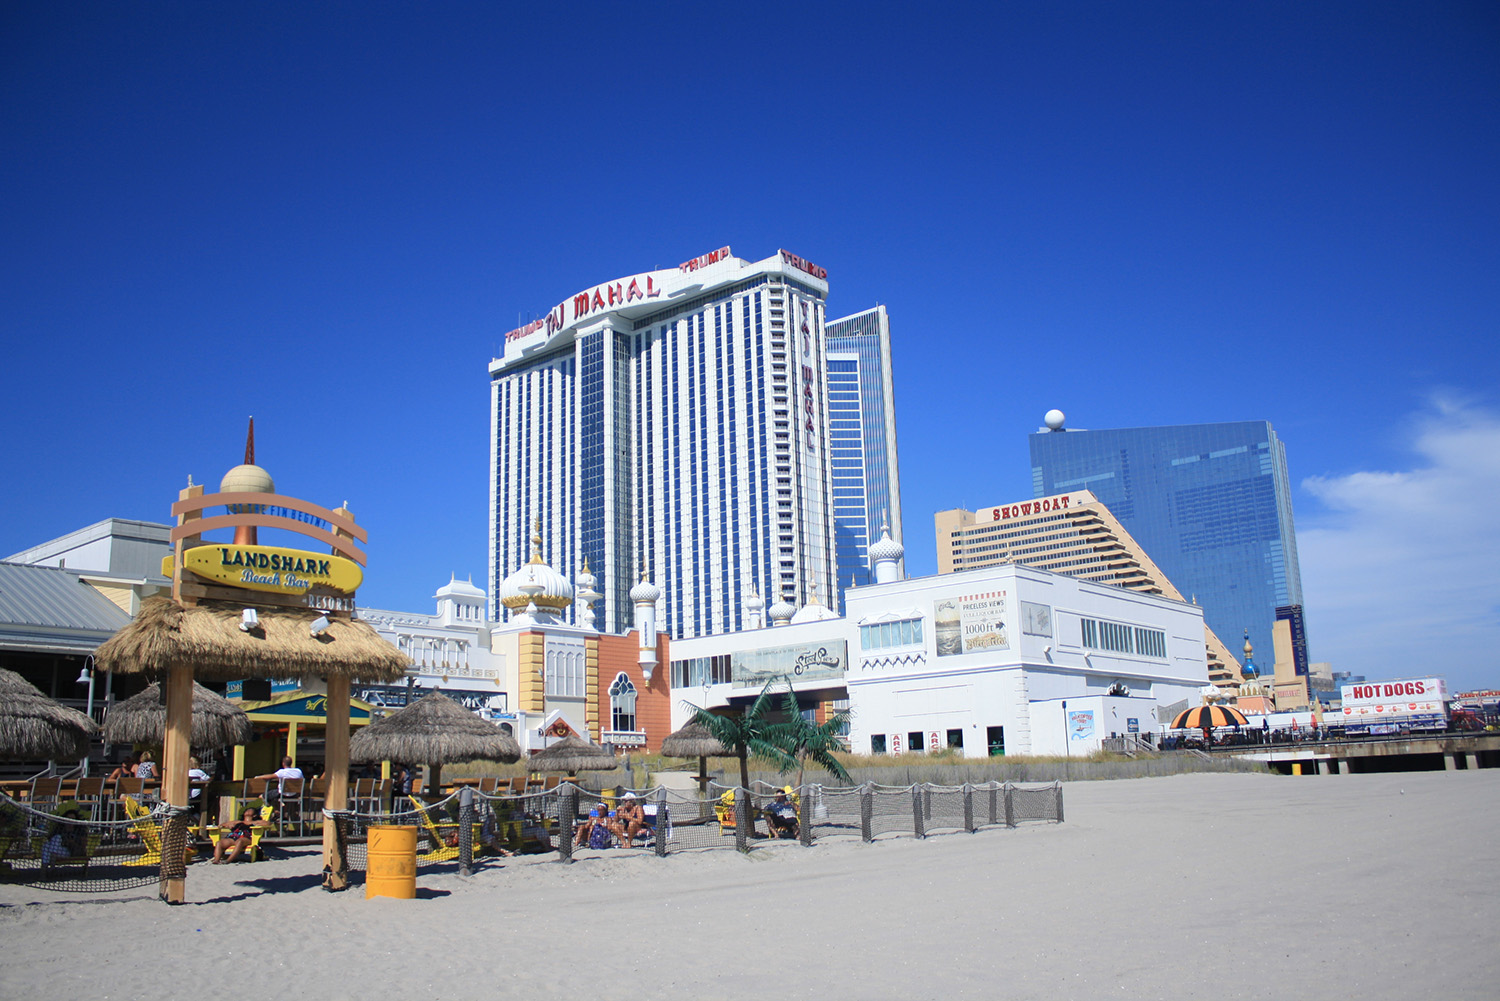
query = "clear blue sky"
x=327 y=215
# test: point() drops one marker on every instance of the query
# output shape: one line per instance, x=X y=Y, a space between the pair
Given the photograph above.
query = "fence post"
x=1010 y=805
x=866 y=811
x=918 y=827
x=805 y=815
x=663 y=823
x=466 y=831
x=994 y=802
x=1058 y=787
x=567 y=816
x=969 y=808
x=743 y=822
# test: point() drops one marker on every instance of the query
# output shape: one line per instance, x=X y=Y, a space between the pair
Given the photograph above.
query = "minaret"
x=586 y=597
x=754 y=606
x=644 y=596
x=886 y=556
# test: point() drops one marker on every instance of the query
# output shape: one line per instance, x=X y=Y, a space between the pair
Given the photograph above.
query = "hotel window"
x=1099 y=634
x=622 y=704
x=877 y=743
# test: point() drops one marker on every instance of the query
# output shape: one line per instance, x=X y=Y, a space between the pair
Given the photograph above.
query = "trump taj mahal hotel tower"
x=673 y=423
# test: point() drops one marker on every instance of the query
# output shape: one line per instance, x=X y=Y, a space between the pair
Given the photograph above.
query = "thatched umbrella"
x=573 y=754
x=142 y=719
x=208 y=636
x=434 y=730
x=695 y=741
x=33 y=726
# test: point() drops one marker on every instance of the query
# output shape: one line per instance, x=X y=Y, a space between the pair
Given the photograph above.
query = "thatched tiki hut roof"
x=142 y=719
x=208 y=637
x=695 y=741
x=434 y=730
x=33 y=726
x=572 y=754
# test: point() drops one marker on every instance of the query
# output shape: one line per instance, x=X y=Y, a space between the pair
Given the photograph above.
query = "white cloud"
x=1401 y=571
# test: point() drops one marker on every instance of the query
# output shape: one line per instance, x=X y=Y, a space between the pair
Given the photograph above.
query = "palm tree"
x=805 y=741
x=750 y=731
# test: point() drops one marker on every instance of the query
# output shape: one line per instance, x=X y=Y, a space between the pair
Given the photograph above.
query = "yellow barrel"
x=391 y=862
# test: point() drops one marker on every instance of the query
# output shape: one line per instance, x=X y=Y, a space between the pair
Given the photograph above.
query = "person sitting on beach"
x=632 y=819
x=237 y=838
x=781 y=816
x=595 y=832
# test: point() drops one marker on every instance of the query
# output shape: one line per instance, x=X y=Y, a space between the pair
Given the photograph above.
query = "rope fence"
x=66 y=850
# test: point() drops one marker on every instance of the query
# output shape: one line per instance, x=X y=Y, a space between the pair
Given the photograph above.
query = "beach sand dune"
x=1195 y=886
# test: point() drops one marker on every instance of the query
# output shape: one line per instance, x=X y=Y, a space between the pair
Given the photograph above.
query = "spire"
x=536 y=540
x=250 y=444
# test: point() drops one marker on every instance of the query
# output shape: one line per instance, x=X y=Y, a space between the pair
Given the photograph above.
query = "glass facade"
x=1209 y=503
x=862 y=428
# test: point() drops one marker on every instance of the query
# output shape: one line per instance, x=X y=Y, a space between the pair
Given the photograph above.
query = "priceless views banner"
x=972 y=623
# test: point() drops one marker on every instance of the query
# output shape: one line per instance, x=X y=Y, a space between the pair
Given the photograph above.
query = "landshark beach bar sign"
x=273 y=568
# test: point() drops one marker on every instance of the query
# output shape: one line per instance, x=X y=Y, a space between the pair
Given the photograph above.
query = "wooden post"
x=336 y=770
x=175 y=751
x=177 y=743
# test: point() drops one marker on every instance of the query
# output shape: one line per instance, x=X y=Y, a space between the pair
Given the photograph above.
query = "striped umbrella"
x=1207 y=717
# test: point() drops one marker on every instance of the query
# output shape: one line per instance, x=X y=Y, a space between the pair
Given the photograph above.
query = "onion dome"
x=754 y=602
x=248 y=478
x=814 y=610
x=536 y=582
x=887 y=549
x=781 y=612
x=585 y=579
x=1249 y=670
x=645 y=593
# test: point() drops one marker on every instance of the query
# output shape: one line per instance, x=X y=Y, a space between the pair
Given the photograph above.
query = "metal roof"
x=47 y=609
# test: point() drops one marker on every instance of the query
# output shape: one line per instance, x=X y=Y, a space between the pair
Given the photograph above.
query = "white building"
x=1007 y=659
x=673 y=422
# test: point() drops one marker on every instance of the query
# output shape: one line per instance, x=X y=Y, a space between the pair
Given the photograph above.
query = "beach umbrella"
x=142 y=719
x=573 y=754
x=33 y=726
x=434 y=730
x=1205 y=718
x=695 y=741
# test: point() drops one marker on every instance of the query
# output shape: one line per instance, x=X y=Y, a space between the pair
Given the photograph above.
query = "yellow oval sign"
x=271 y=568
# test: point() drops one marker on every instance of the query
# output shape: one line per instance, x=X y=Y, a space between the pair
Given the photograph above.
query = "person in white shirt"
x=282 y=774
x=195 y=774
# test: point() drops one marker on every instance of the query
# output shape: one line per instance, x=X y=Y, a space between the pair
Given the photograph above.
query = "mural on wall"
x=799 y=662
x=971 y=623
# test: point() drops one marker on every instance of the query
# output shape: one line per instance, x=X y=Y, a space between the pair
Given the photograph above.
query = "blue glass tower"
x=1210 y=503
x=862 y=424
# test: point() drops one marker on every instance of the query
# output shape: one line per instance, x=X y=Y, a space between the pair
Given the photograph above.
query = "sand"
x=1194 y=886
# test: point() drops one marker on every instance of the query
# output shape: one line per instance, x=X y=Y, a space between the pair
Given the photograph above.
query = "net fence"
x=71 y=848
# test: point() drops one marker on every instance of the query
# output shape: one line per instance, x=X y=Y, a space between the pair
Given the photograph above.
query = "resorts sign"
x=272 y=568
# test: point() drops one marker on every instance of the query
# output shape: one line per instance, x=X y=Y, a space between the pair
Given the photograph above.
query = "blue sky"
x=1139 y=213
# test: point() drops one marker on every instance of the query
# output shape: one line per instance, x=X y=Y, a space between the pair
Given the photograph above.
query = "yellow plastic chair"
x=267 y=812
x=441 y=851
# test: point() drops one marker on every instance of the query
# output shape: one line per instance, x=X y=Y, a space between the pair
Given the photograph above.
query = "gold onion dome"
x=536 y=582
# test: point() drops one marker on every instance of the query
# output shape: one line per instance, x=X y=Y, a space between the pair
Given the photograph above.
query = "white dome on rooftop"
x=782 y=611
x=536 y=582
x=645 y=592
x=247 y=479
x=887 y=548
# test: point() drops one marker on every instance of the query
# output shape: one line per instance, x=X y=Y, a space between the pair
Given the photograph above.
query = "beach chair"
x=45 y=793
x=439 y=832
x=489 y=785
x=148 y=829
x=90 y=792
x=254 y=852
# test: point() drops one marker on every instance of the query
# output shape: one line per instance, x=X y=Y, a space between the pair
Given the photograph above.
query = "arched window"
x=622 y=704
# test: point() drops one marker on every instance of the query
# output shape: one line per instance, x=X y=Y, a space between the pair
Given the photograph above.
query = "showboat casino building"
x=677 y=424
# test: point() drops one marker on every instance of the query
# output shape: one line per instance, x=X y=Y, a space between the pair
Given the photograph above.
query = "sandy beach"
x=1195 y=886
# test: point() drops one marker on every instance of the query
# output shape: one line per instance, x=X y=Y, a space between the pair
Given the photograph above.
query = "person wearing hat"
x=632 y=819
x=781 y=815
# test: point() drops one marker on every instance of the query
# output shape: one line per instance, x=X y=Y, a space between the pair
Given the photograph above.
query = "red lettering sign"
x=712 y=257
x=802 y=265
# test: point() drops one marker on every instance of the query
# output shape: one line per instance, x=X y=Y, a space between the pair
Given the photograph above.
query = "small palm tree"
x=749 y=732
x=805 y=741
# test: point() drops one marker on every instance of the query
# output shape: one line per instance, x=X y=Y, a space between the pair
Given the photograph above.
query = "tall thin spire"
x=250 y=444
